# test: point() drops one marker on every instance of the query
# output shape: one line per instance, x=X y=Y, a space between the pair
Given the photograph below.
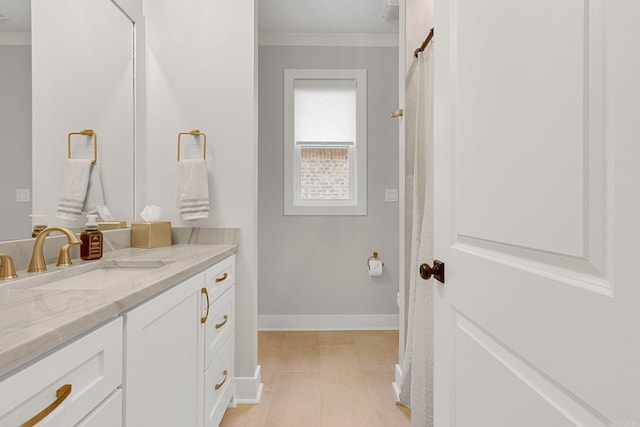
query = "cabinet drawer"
x=218 y=383
x=108 y=414
x=77 y=377
x=220 y=324
x=220 y=277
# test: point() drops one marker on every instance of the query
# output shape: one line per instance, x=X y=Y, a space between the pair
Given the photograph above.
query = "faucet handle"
x=7 y=270
x=64 y=258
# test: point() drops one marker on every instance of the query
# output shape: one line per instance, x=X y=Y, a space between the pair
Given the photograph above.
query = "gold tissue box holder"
x=111 y=225
x=149 y=235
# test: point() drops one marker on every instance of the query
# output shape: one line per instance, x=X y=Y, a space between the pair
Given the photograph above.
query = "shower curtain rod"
x=424 y=45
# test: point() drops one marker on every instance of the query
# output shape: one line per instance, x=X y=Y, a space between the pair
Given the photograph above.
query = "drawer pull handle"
x=206 y=294
x=222 y=279
x=61 y=394
x=217 y=387
x=220 y=325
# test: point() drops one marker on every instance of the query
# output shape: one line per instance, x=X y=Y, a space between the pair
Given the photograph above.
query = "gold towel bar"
x=194 y=132
x=86 y=132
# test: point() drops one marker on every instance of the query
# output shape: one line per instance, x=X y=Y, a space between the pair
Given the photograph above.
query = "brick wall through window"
x=324 y=173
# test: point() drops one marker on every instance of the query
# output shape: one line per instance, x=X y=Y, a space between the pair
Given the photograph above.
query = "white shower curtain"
x=416 y=390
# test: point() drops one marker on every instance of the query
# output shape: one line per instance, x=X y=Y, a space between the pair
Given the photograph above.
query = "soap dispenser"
x=91 y=238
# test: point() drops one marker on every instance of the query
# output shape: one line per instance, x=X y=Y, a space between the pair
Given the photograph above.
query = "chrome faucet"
x=38 y=263
x=7 y=270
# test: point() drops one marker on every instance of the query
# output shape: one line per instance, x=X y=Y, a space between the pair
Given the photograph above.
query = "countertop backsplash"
x=205 y=235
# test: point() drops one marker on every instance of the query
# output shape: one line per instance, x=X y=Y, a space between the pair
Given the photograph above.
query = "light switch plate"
x=391 y=195
x=23 y=195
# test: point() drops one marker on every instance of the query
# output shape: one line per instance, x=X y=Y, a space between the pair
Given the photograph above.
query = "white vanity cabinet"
x=70 y=387
x=175 y=345
x=166 y=362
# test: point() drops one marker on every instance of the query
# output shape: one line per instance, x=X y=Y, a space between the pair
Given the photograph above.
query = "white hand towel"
x=95 y=195
x=192 y=193
x=74 y=188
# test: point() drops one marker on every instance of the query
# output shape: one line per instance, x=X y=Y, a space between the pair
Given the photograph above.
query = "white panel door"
x=537 y=213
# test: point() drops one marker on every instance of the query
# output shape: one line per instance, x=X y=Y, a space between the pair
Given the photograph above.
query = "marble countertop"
x=34 y=321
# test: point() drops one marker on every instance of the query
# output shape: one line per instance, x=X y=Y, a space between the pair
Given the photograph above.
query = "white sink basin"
x=92 y=276
x=99 y=278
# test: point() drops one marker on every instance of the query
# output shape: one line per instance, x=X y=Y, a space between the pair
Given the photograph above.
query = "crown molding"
x=390 y=10
x=310 y=39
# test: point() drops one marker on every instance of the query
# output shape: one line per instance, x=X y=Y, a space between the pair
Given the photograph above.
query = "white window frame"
x=357 y=205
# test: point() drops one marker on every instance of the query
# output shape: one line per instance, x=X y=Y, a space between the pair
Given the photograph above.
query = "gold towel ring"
x=86 y=132
x=194 y=132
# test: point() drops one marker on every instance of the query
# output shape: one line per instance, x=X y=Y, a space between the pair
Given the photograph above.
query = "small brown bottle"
x=91 y=238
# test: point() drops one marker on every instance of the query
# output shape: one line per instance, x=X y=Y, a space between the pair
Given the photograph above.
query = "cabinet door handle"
x=220 y=325
x=222 y=279
x=206 y=294
x=61 y=394
x=217 y=387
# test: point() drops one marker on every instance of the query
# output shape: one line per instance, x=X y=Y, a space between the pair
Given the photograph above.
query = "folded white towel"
x=74 y=188
x=192 y=193
x=95 y=195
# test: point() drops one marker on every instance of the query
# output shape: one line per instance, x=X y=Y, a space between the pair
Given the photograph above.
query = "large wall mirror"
x=82 y=61
x=15 y=118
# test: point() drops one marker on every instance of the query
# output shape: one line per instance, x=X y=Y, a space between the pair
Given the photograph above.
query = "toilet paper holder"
x=374 y=256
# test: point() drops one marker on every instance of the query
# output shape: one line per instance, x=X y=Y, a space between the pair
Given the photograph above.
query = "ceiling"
x=325 y=16
x=18 y=13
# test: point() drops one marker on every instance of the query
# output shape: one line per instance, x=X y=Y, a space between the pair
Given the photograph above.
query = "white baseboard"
x=327 y=322
x=248 y=389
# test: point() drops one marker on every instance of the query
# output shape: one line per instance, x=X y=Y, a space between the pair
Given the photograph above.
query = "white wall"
x=15 y=139
x=201 y=74
x=312 y=269
x=82 y=78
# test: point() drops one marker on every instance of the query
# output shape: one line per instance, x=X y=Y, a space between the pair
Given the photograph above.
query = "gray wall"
x=315 y=265
x=15 y=140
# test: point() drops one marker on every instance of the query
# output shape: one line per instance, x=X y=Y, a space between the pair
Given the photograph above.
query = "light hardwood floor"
x=325 y=379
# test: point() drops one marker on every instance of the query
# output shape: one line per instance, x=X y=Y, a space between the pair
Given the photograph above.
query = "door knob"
x=437 y=271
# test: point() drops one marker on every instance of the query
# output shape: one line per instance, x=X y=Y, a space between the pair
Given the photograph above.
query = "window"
x=325 y=142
